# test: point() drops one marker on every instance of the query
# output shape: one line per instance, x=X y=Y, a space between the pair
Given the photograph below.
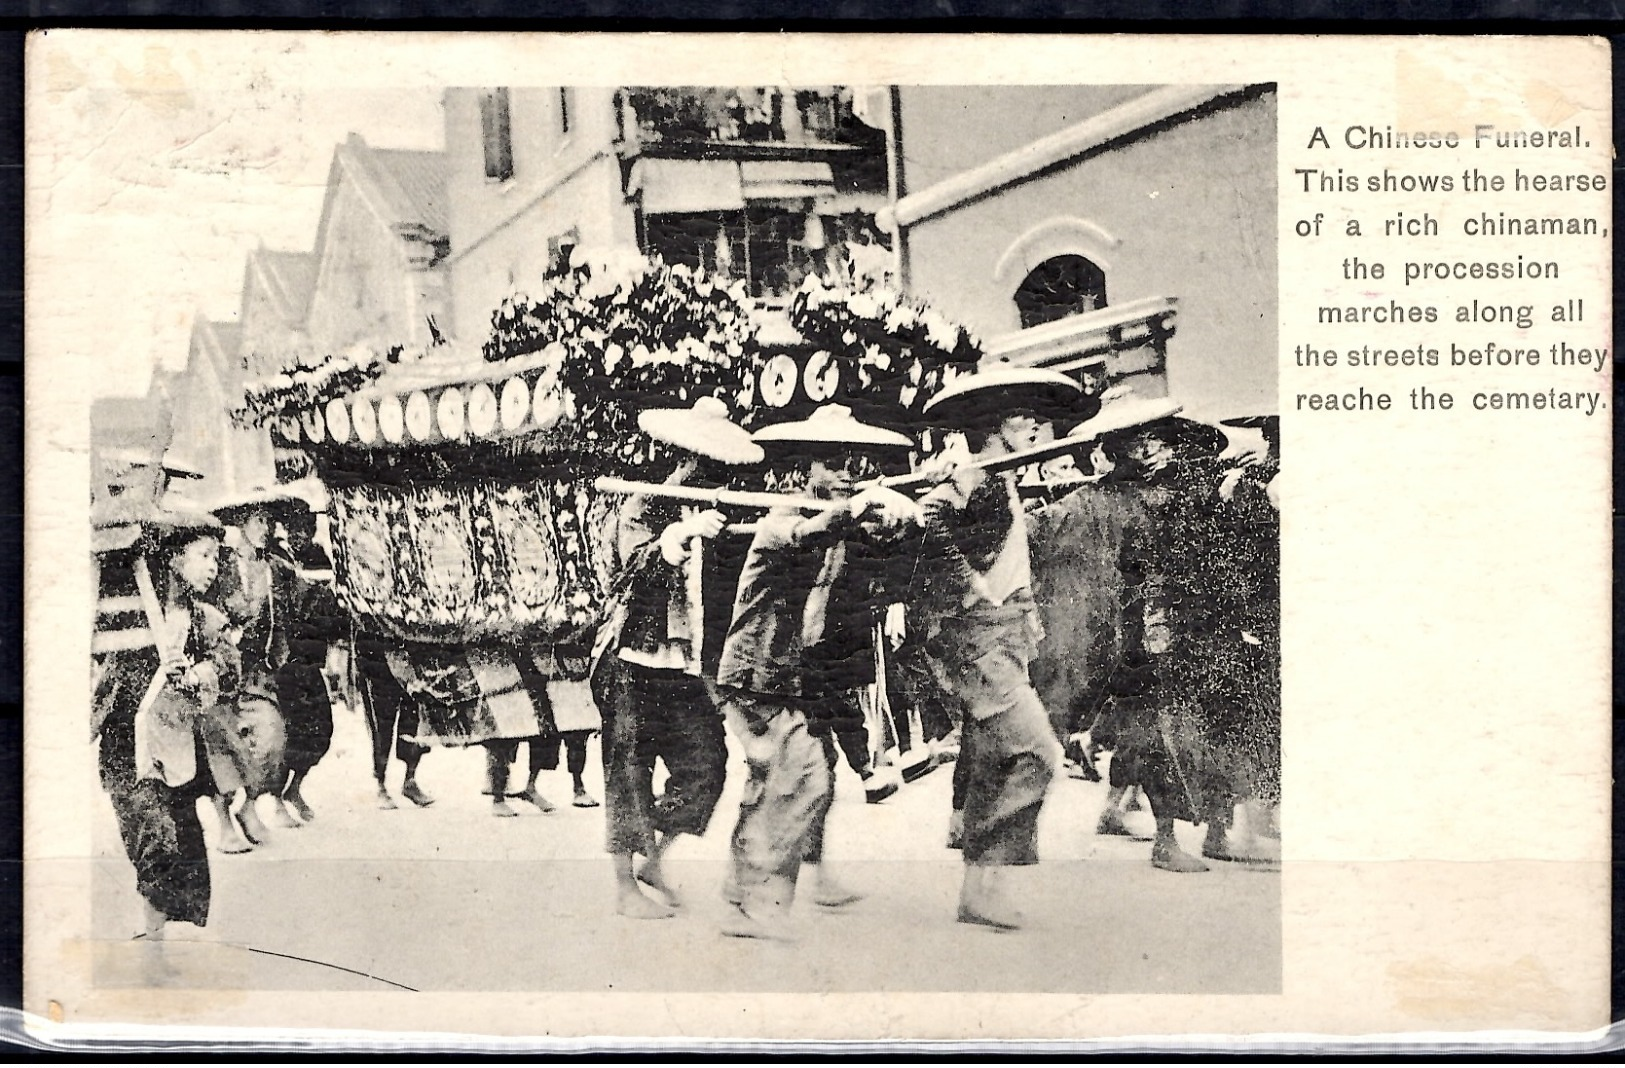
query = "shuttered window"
x=495 y=132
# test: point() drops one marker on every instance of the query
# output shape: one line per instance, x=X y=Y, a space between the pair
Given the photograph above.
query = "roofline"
x=346 y=161
x=206 y=331
x=327 y=205
x=256 y=263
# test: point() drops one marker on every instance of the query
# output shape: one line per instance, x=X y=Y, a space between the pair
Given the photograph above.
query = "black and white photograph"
x=631 y=541
x=703 y=538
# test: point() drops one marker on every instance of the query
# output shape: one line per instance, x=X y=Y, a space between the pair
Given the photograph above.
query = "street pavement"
x=451 y=898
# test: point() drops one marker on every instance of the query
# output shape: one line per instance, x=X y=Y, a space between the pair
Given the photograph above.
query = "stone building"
x=229 y=457
x=759 y=183
x=764 y=184
x=1063 y=222
x=277 y=287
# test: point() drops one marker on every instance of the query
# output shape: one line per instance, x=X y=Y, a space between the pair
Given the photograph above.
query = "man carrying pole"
x=762 y=673
x=651 y=663
x=987 y=625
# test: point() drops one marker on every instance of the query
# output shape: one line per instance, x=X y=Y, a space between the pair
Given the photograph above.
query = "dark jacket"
x=764 y=649
x=650 y=590
x=123 y=685
x=309 y=609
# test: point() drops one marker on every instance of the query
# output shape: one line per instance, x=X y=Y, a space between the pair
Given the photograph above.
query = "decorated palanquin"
x=465 y=562
x=466 y=527
x=467 y=534
x=463 y=508
x=470 y=537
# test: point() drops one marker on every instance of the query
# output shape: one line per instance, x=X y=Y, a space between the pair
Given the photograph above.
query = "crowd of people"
x=211 y=685
x=1132 y=610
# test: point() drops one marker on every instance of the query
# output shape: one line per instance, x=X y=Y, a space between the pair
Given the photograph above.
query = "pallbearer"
x=987 y=625
x=556 y=677
x=1167 y=717
x=303 y=593
x=843 y=608
x=1250 y=525
x=394 y=714
x=762 y=673
x=652 y=663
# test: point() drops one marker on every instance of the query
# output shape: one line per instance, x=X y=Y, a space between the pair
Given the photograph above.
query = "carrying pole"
x=918 y=480
x=716 y=497
x=1008 y=461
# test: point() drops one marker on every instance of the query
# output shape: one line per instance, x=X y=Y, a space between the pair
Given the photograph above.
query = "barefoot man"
x=988 y=627
x=649 y=677
x=763 y=669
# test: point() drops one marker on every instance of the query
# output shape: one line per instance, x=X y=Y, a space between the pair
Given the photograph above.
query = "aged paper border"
x=1446 y=730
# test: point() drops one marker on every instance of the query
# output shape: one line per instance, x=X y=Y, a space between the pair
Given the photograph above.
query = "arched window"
x=1059 y=287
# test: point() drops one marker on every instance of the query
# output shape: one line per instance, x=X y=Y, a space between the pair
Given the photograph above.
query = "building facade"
x=1063 y=222
x=230 y=458
x=128 y=439
x=277 y=287
x=380 y=251
x=764 y=184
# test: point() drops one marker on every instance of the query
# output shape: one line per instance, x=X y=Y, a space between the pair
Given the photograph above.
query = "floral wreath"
x=625 y=330
x=902 y=350
x=300 y=386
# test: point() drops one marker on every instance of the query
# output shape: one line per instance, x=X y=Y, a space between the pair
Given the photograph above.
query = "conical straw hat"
x=704 y=429
x=833 y=424
x=986 y=397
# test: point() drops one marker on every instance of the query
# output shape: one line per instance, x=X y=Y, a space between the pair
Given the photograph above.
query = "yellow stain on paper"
x=62 y=74
x=1515 y=993
x=1548 y=105
x=158 y=84
x=1430 y=95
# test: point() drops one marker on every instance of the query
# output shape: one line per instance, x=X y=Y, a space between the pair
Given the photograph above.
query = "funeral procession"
x=709 y=538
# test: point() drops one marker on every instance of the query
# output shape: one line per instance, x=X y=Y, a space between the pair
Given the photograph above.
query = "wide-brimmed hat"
x=1187 y=437
x=704 y=429
x=311 y=490
x=1191 y=437
x=112 y=539
x=1120 y=413
x=1268 y=425
x=163 y=527
x=832 y=427
x=173 y=465
x=177 y=466
x=986 y=397
x=235 y=509
x=1128 y=416
x=157 y=530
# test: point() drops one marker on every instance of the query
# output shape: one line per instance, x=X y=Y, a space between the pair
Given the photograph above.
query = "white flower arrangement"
x=622 y=326
x=878 y=315
x=300 y=386
x=900 y=349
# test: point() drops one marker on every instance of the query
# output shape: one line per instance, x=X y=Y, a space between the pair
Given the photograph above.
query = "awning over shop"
x=786 y=179
x=685 y=186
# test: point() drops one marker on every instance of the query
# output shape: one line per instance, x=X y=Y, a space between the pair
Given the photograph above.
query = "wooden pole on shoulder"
x=714 y=497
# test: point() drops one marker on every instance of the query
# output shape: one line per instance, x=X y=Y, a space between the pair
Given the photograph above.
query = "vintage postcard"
x=678 y=538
